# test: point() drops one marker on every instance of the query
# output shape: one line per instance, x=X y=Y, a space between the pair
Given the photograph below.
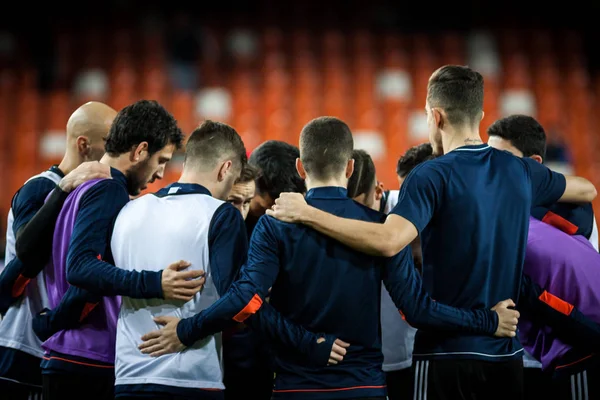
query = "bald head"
x=87 y=128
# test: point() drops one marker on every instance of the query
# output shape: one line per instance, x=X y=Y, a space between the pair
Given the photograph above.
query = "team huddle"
x=292 y=274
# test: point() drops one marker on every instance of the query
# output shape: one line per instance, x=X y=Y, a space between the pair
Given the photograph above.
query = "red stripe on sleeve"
x=560 y=223
x=252 y=307
x=20 y=285
x=86 y=310
x=556 y=303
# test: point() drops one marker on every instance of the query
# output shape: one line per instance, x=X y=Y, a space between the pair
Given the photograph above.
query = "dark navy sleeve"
x=406 y=290
x=11 y=285
x=567 y=321
x=547 y=186
x=90 y=241
x=246 y=295
x=33 y=243
x=16 y=275
x=29 y=199
x=283 y=333
x=580 y=215
x=243 y=301
x=420 y=195
x=73 y=308
x=227 y=246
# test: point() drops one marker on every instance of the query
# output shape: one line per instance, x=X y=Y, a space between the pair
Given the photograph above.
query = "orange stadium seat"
x=283 y=77
x=25 y=155
x=55 y=117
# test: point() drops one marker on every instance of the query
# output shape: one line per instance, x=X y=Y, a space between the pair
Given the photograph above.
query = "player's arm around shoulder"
x=549 y=187
x=368 y=237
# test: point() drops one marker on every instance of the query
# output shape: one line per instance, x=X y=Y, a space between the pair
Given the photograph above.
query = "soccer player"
x=397 y=336
x=413 y=157
x=24 y=294
x=363 y=186
x=275 y=162
x=243 y=190
x=471 y=208
x=524 y=137
x=568 y=267
x=287 y=255
x=205 y=230
x=247 y=354
x=140 y=142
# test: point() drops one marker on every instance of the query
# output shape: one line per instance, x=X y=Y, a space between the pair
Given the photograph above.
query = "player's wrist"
x=493 y=322
x=65 y=186
x=306 y=214
x=185 y=332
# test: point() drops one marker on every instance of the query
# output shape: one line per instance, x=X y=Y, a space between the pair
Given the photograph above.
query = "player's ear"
x=300 y=168
x=349 y=168
x=138 y=152
x=537 y=158
x=379 y=191
x=224 y=170
x=438 y=117
x=83 y=146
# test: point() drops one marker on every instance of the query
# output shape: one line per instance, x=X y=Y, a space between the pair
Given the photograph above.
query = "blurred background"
x=268 y=67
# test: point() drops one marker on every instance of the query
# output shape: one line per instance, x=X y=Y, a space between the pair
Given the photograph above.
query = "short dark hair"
x=413 y=157
x=143 y=121
x=523 y=131
x=211 y=142
x=249 y=174
x=362 y=180
x=326 y=145
x=458 y=91
x=276 y=165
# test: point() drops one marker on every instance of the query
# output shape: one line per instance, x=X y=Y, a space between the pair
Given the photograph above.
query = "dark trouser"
x=538 y=385
x=16 y=391
x=400 y=384
x=86 y=387
x=468 y=379
x=248 y=383
x=584 y=385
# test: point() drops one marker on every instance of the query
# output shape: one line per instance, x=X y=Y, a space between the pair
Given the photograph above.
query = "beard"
x=137 y=178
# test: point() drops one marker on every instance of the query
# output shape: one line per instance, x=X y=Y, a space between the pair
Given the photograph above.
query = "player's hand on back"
x=178 y=284
x=338 y=351
x=290 y=207
x=83 y=173
x=163 y=341
x=507 y=319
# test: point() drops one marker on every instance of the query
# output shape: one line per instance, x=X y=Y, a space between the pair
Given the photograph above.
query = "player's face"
x=503 y=144
x=435 y=135
x=241 y=196
x=148 y=170
x=260 y=204
x=400 y=180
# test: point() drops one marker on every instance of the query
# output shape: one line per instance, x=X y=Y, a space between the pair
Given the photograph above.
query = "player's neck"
x=460 y=138
x=316 y=183
x=205 y=180
x=69 y=163
x=120 y=163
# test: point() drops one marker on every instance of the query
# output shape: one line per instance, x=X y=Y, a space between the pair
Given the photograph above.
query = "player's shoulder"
x=46 y=179
x=368 y=214
x=437 y=169
x=97 y=191
x=547 y=242
x=508 y=159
